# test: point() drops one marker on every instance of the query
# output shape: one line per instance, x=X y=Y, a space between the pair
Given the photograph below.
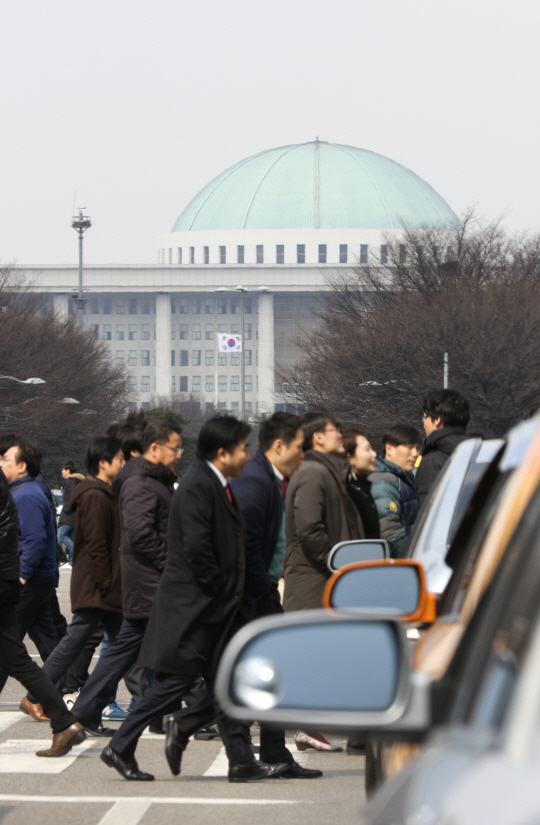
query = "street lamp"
x=242 y=289
x=25 y=380
x=80 y=223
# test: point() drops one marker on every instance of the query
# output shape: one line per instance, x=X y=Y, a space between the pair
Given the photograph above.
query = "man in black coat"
x=195 y=606
x=446 y=416
x=13 y=655
x=144 y=503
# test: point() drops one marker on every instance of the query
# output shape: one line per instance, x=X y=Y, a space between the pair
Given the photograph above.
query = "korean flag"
x=229 y=343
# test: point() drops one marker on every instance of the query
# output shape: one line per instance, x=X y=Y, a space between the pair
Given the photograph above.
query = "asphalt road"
x=79 y=788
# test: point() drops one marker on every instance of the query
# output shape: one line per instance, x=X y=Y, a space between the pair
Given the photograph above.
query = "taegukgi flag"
x=229 y=343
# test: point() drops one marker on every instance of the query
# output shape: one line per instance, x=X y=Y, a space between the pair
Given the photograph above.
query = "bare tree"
x=473 y=293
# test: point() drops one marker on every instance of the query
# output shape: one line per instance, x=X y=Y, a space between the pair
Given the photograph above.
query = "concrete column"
x=61 y=305
x=265 y=343
x=163 y=343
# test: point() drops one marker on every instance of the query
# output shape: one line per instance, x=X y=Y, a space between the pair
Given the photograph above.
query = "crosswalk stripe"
x=126 y=812
x=220 y=765
x=7 y=719
x=19 y=756
x=164 y=800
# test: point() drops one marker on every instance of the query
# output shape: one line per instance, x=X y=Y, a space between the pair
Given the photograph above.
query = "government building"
x=277 y=224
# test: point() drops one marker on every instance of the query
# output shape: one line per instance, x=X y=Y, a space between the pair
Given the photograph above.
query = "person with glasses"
x=144 y=503
x=319 y=515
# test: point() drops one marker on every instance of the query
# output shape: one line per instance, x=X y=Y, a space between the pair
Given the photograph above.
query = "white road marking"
x=220 y=765
x=164 y=800
x=8 y=719
x=19 y=756
x=126 y=812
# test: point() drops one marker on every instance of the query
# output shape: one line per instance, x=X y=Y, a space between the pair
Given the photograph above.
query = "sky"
x=129 y=108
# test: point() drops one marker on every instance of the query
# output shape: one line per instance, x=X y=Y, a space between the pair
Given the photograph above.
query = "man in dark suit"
x=198 y=597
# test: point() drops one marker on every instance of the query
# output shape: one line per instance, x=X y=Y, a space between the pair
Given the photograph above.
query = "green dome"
x=316 y=185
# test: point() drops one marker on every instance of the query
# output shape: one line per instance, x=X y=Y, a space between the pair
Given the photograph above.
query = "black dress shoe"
x=254 y=770
x=296 y=771
x=96 y=730
x=127 y=768
x=174 y=744
x=208 y=733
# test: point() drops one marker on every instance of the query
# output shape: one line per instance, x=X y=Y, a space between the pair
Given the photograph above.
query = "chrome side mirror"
x=347 y=552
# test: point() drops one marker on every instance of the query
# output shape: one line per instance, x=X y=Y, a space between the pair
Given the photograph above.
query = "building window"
x=94 y=306
x=107 y=357
x=132 y=358
x=184 y=307
x=222 y=405
x=183 y=387
x=384 y=253
x=235 y=408
x=173 y=383
x=223 y=254
x=235 y=306
x=235 y=359
x=222 y=306
x=145 y=358
x=179 y=254
x=145 y=383
x=248 y=383
x=196 y=332
x=235 y=329
x=209 y=383
x=402 y=253
x=240 y=254
x=132 y=306
x=119 y=332
x=94 y=330
x=222 y=359
x=209 y=305
x=145 y=332
x=247 y=357
x=173 y=358
x=209 y=357
x=184 y=332
x=132 y=383
x=363 y=253
x=248 y=409
x=222 y=327
x=107 y=332
x=196 y=357
x=119 y=306
x=247 y=305
x=196 y=306
x=184 y=358
x=235 y=383
x=170 y=256
x=343 y=253
x=280 y=254
x=119 y=357
x=196 y=383
x=260 y=254
x=132 y=332
x=173 y=332
x=209 y=332
x=107 y=306
x=173 y=306
x=322 y=253
x=300 y=253
x=206 y=250
x=248 y=331
x=256 y=332
x=192 y=254
x=222 y=383
x=145 y=306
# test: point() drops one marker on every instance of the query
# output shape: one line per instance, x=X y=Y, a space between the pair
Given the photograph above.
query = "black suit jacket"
x=202 y=584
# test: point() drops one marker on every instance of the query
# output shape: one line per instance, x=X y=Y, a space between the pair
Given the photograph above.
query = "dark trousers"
x=15 y=660
x=83 y=624
x=77 y=674
x=113 y=665
x=33 y=615
x=165 y=696
x=272 y=739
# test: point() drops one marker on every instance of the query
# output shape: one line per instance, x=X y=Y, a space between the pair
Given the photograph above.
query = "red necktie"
x=228 y=491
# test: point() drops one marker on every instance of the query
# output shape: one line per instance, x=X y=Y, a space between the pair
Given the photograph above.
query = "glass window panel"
x=196 y=383
x=119 y=356
x=145 y=332
x=260 y=254
x=223 y=254
x=247 y=305
x=222 y=305
x=132 y=383
x=184 y=358
x=222 y=359
x=173 y=332
x=107 y=306
x=145 y=383
x=235 y=359
x=248 y=331
x=184 y=332
x=240 y=254
x=196 y=356
x=145 y=357
x=119 y=306
x=235 y=383
x=196 y=332
x=183 y=383
x=343 y=253
x=209 y=357
x=209 y=332
x=107 y=332
x=192 y=254
x=206 y=254
x=280 y=254
x=235 y=306
x=173 y=358
x=300 y=253
x=132 y=332
x=363 y=253
x=132 y=360
x=248 y=383
x=209 y=383
x=196 y=306
x=322 y=253
x=247 y=357
x=209 y=305
x=94 y=306
x=222 y=383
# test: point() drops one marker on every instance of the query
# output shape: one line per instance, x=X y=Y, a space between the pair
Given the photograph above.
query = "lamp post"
x=80 y=223
x=25 y=380
x=242 y=290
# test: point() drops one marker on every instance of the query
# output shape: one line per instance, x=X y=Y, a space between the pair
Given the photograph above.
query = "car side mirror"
x=316 y=670
x=395 y=586
x=347 y=552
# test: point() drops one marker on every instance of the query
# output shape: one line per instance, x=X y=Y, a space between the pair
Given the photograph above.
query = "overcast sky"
x=137 y=105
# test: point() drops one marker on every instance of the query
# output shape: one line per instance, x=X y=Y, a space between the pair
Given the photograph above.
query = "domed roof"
x=316 y=185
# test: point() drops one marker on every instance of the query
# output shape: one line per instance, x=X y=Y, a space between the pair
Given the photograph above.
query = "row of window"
x=146 y=306
x=132 y=332
x=279 y=256
x=182 y=305
x=183 y=331
x=209 y=358
x=196 y=383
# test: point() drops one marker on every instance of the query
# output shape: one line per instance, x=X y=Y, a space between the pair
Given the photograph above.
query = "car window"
x=478 y=466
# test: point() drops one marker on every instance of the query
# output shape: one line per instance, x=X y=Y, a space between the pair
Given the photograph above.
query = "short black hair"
x=221 y=431
x=158 y=434
x=30 y=454
x=103 y=448
x=400 y=434
x=312 y=423
x=282 y=425
x=7 y=441
x=130 y=432
x=70 y=465
x=449 y=405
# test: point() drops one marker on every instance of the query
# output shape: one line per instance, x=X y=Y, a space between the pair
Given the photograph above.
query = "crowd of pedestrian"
x=164 y=577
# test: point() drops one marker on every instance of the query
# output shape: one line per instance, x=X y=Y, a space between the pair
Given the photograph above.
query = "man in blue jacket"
x=37 y=551
x=259 y=496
